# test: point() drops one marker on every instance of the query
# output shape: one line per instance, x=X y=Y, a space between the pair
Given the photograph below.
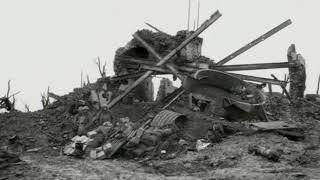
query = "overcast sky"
x=49 y=42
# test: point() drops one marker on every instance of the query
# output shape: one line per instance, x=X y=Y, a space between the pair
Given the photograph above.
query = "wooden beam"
x=240 y=76
x=246 y=67
x=171 y=67
x=238 y=67
x=254 y=42
x=203 y=27
x=257 y=79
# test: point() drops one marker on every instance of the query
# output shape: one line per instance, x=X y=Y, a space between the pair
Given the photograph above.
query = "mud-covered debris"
x=273 y=125
x=202 y=144
x=271 y=154
x=7 y=158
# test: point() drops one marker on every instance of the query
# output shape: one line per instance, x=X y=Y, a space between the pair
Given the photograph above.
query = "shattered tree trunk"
x=297 y=75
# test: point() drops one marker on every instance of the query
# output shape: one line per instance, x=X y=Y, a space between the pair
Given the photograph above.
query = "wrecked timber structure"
x=117 y=117
x=206 y=86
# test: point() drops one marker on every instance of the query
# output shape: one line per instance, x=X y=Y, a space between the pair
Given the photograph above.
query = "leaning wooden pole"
x=255 y=42
x=203 y=27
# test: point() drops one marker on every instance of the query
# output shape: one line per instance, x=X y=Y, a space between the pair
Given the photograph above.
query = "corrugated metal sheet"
x=165 y=117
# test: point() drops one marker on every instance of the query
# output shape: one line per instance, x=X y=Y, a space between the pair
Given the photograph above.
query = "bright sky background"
x=48 y=42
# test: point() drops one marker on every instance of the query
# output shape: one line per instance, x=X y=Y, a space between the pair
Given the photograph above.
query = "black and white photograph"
x=159 y=89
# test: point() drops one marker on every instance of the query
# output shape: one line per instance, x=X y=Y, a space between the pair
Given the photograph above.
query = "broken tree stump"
x=297 y=75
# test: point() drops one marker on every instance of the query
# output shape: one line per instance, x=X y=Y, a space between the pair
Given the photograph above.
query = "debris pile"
x=210 y=105
x=117 y=117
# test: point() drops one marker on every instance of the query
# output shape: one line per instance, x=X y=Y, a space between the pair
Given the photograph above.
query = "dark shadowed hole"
x=138 y=52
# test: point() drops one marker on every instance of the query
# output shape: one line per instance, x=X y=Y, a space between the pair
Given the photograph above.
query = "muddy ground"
x=44 y=135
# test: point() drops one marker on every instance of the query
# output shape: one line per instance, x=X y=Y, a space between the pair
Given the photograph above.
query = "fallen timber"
x=162 y=70
x=254 y=42
x=237 y=67
x=171 y=67
x=211 y=85
x=203 y=27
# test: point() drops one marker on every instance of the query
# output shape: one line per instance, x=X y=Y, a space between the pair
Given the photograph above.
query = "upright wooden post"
x=198 y=13
x=270 y=88
x=285 y=85
x=189 y=9
x=318 y=84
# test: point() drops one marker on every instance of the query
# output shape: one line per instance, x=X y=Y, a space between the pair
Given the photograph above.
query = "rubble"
x=117 y=117
x=271 y=154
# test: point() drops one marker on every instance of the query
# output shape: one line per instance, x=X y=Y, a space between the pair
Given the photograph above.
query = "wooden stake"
x=81 y=81
x=198 y=13
x=318 y=84
x=8 y=90
x=270 y=88
x=189 y=6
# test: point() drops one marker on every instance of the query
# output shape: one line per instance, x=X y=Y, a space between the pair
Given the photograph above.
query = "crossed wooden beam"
x=163 y=61
x=163 y=67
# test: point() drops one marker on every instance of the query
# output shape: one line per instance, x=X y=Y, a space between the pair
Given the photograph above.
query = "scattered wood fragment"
x=272 y=125
x=268 y=153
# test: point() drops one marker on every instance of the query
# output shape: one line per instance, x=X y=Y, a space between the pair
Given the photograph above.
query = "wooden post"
x=203 y=27
x=318 y=84
x=198 y=13
x=189 y=9
x=255 y=42
x=285 y=86
x=270 y=88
